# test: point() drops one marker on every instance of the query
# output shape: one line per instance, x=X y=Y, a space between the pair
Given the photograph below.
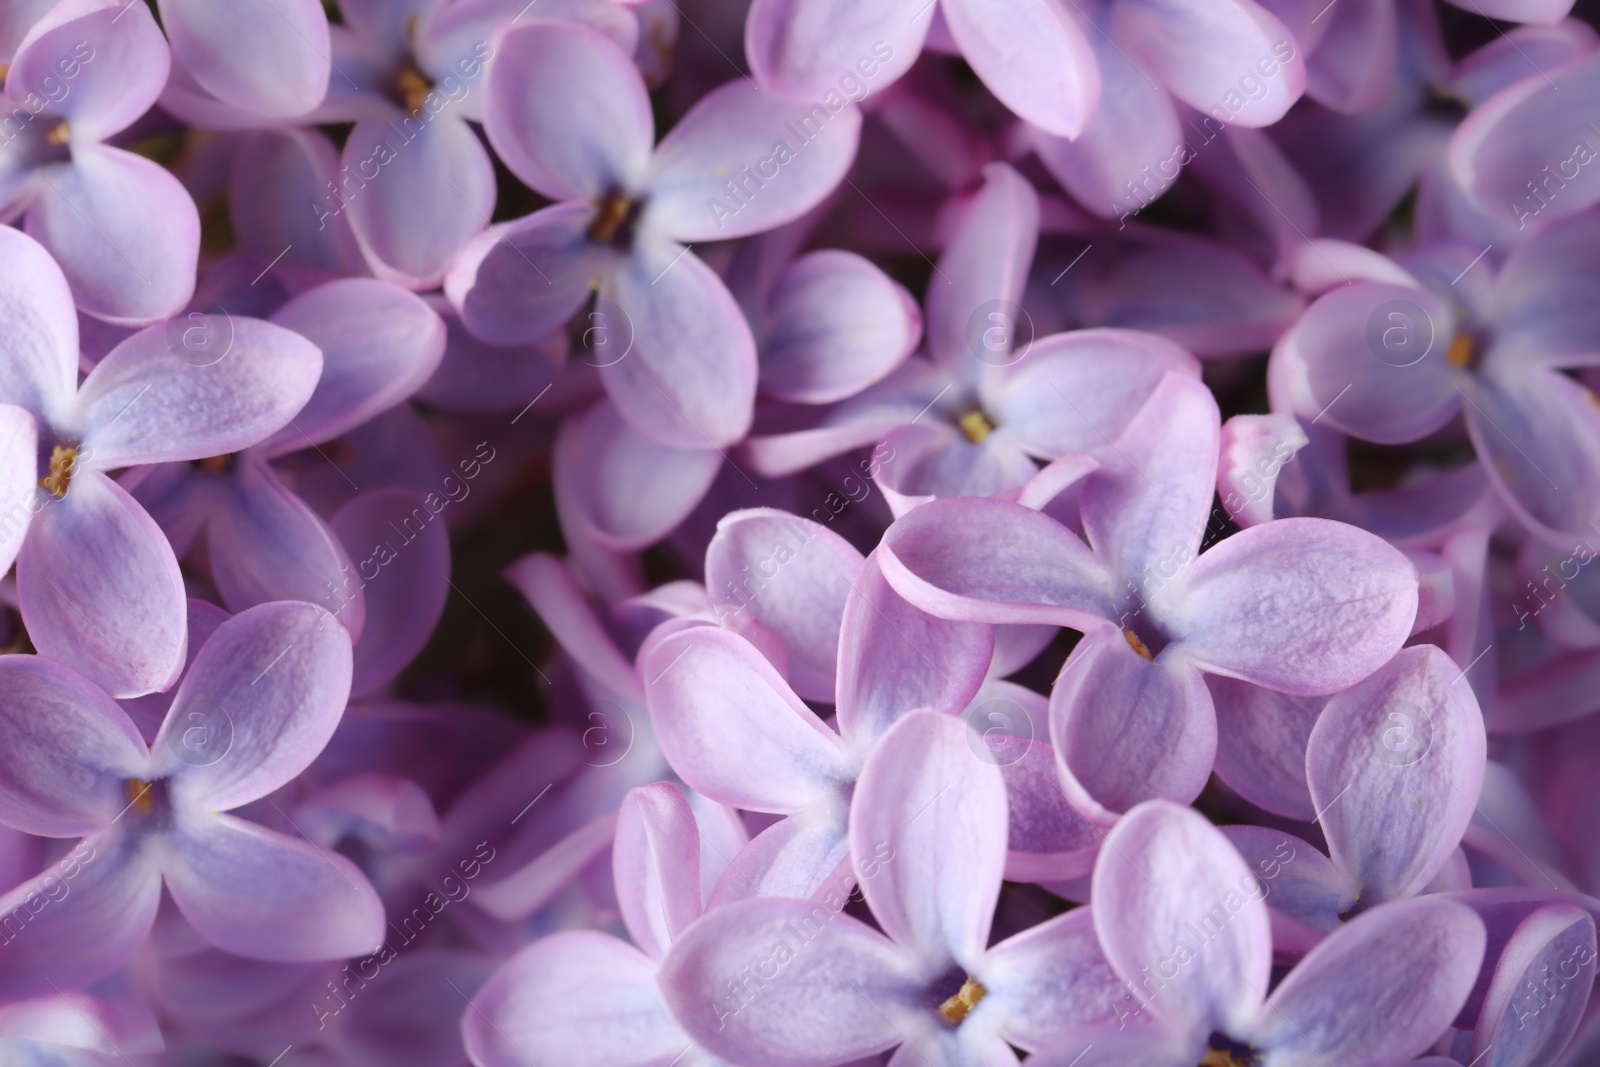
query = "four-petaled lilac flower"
x=259 y=702
x=568 y=113
x=797 y=983
x=1180 y=917
x=1298 y=605
x=123 y=228
x=98 y=584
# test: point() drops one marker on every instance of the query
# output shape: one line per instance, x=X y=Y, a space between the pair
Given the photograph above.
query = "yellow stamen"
x=1135 y=643
x=976 y=426
x=614 y=211
x=1461 y=352
x=413 y=87
x=215 y=464
x=139 y=794
x=965 y=999
x=1218 y=1058
x=411 y=29
x=63 y=459
x=60 y=133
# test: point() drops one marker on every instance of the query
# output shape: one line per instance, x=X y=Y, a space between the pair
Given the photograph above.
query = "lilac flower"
x=971 y=420
x=568 y=113
x=796 y=983
x=1404 y=359
x=122 y=227
x=98 y=584
x=1394 y=765
x=260 y=701
x=1179 y=915
x=734 y=729
x=1300 y=605
x=76 y=1029
x=415 y=179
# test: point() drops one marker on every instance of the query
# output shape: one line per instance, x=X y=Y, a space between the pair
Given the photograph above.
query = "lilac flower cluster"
x=799 y=533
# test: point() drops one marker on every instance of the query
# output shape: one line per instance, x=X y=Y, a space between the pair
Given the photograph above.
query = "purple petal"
x=833 y=325
x=279 y=202
x=928 y=835
x=1050 y=980
x=19 y=466
x=284 y=71
x=1126 y=730
x=435 y=190
x=39 y=348
x=1298 y=605
x=577 y=997
x=1558 y=940
x=622 y=488
x=740 y=134
x=118 y=66
x=732 y=729
x=198 y=387
x=77 y=1020
x=101 y=591
x=992 y=561
x=397 y=534
x=973 y=309
x=475 y=377
x=260 y=894
x=893 y=658
x=553 y=592
x=1352 y=66
x=259 y=703
x=806 y=50
x=67 y=751
x=793 y=575
x=1509 y=140
x=517 y=282
x=1077 y=391
x=1261 y=744
x=1537 y=433
x=656 y=860
x=1379 y=991
x=1301 y=883
x=1031 y=54
x=794 y=857
x=1539 y=312
x=567 y=111
x=82 y=918
x=266 y=544
x=835 y=979
x=1177 y=896
x=1375 y=361
x=688 y=376
x=379 y=344
x=1230 y=56
x=125 y=232
x=1395 y=765
x=1145 y=509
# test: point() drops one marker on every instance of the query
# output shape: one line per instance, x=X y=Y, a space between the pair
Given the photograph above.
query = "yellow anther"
x=1138 y=645
x=964 y=1000
x=139 y=794
x=1461 y=352
x=60 y=133
x=413 y=87
x=976 y=426
x=63 y=459
x=613 y=214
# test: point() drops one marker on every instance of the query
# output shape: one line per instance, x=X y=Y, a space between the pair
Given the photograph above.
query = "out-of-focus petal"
x=803 y=49
x=656 y=857
x=283 y=72
x=1033 y=55
x=98 y=68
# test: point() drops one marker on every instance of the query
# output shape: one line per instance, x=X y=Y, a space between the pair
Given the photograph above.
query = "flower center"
x=63 y=459
x=217 y=464
x=1136 y=643
x=411 y=87
x=1463 y=352
x=140 y=794
x=976 y=425
x=963 y=1000
x=1223 y=1051
x=615 y=221
x=60 y=133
